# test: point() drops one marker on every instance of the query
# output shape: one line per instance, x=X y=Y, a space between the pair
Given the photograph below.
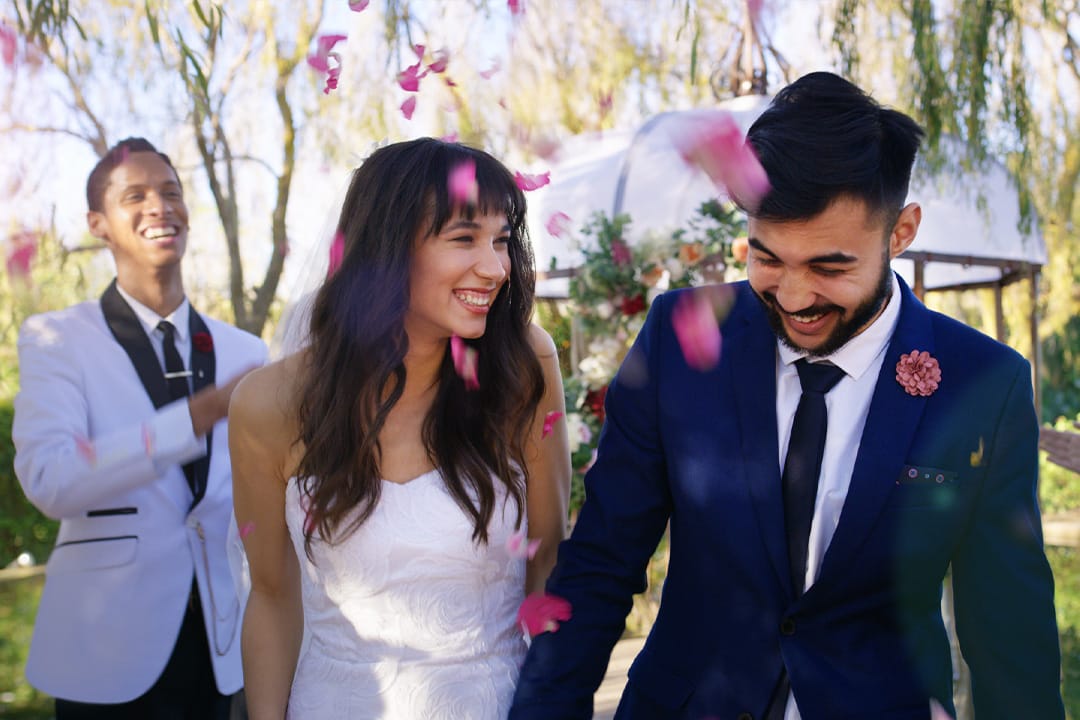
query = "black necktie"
x=175 y=374
x=177 y=378
x=803 y=463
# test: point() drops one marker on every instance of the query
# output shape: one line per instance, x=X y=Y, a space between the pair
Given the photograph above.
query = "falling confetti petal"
x=540 y=613
x=247 y=529
x=549 y=423
x=532 y=182
x=22 y=250
x=337 y=253
x=452 y=138
x=449 y=81
x=358 y=5
x=620 y=252
x=754 y=8
x=517 y=7
x=148 y=440
x=557 y=224
x=419 y=50
x=519 y=546
x=719 y=149
x=320 y=61
x=408 y=107
x=85 y=448
x=440 y=59
x=465 y=362
x=694 y=321
x=9 y=43
x=409 y=78
x=937 y=712
x=495 y=67
x=461 y=185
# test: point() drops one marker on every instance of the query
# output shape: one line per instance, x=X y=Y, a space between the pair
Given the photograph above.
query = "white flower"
x=597 y=371
x=604 y=309
x=577 y=430
x=635 y=324
x=675 y=267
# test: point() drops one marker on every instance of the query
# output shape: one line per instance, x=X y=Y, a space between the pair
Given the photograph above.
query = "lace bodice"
x=408 y=617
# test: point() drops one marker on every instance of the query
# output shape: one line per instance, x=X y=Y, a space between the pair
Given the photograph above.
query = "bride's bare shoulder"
x=265 y=401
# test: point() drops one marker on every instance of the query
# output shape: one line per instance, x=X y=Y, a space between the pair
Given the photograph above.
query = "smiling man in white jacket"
x=120 y=434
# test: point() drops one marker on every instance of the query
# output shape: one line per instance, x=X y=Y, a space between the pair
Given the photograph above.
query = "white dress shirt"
x=847 y=404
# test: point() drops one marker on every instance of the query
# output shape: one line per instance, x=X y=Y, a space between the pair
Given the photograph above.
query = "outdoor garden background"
x=263 y=139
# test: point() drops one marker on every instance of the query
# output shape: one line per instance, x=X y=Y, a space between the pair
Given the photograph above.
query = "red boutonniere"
x=202 y=342
x=918 y=373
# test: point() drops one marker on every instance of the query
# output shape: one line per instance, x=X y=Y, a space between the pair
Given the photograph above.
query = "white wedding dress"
x=408 y=618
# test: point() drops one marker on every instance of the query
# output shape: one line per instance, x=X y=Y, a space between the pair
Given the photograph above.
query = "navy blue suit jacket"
x=699 y=451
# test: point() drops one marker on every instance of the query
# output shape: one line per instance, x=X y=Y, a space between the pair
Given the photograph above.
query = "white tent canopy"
x=970 y=233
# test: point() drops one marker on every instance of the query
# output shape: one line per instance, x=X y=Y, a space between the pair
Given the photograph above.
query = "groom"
x=849 y=447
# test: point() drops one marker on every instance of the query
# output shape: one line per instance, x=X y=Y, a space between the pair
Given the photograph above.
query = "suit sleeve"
x=1004 y=590
x=62 y=469
x=603 y=564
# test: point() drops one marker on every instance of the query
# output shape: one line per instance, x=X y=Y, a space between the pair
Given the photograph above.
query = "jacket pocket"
x=113 y=511
x=92 y=554
x=922 y=486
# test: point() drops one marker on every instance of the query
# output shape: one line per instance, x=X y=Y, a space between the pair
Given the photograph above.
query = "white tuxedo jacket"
x=92 y=451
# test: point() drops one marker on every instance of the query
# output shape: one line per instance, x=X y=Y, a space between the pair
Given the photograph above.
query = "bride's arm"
x=548 y=458
x=260 y=444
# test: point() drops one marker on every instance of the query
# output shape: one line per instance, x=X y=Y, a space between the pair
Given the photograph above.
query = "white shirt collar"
x=150 y=319
x=857 y=355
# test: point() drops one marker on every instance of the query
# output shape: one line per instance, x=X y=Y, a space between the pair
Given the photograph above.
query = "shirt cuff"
x=170 y=436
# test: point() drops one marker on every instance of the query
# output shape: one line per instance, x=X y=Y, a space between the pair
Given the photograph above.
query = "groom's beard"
x=847 y=328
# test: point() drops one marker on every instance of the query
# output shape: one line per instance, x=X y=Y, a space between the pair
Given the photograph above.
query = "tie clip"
x=180 y=374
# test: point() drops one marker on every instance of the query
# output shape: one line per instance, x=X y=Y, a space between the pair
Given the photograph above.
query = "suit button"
x=787 y=627
x=745 y=716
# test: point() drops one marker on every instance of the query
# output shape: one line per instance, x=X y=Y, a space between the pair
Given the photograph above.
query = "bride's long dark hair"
x=354 y=371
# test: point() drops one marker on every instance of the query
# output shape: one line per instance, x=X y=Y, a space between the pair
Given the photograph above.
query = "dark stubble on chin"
x=847 y=328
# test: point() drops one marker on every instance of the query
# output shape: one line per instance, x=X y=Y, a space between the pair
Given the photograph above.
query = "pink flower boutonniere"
x=918 y=373
x=202 y=342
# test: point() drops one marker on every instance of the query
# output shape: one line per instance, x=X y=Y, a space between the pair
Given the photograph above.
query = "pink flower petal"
x=439 y=62
x=22 y=249
x=453 y=138
x=449 y=81
x=518 y=546
x=461 y=185
x=557 y=224
x=324 y=44
x=409 y=78
x=246 y=529
x=148 y=440
x=465 y=362
x=332 y=77
x=753 y=7
x=337 y=253
x=9 y=43
x=549 y=423
x=495 y=67
x=719 y=149
x=540 y=613
x=86 y=450
x=694 y=321
x=517 y=7
x=532 y=182
x=408 y=107
x=358 y=5
x=937 y=712
x=419 y=50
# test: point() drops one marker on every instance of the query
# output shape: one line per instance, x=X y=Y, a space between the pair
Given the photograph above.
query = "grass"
x=18 y=604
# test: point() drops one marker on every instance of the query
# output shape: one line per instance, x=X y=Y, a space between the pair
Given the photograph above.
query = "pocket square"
x=923 y=475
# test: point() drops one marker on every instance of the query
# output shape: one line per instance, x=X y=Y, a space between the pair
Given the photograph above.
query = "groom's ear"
x=904 y=229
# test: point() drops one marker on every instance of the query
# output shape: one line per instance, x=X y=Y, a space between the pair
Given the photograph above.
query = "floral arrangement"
x=610 y=295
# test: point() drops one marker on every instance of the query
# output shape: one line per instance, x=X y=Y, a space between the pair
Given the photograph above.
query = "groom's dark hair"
x=823 y=138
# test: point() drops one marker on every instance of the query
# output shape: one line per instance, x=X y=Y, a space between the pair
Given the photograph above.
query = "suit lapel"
x=751 y=350
x=890 y=428
x=203 y=364
x=128 y=331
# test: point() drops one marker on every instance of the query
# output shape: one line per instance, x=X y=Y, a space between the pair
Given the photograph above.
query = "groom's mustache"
x=811 y=311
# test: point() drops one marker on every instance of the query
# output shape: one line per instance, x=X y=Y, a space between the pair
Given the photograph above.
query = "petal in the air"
x=465 y=362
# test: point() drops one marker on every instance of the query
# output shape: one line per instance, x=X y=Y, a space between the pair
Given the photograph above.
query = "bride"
x=382 y=478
